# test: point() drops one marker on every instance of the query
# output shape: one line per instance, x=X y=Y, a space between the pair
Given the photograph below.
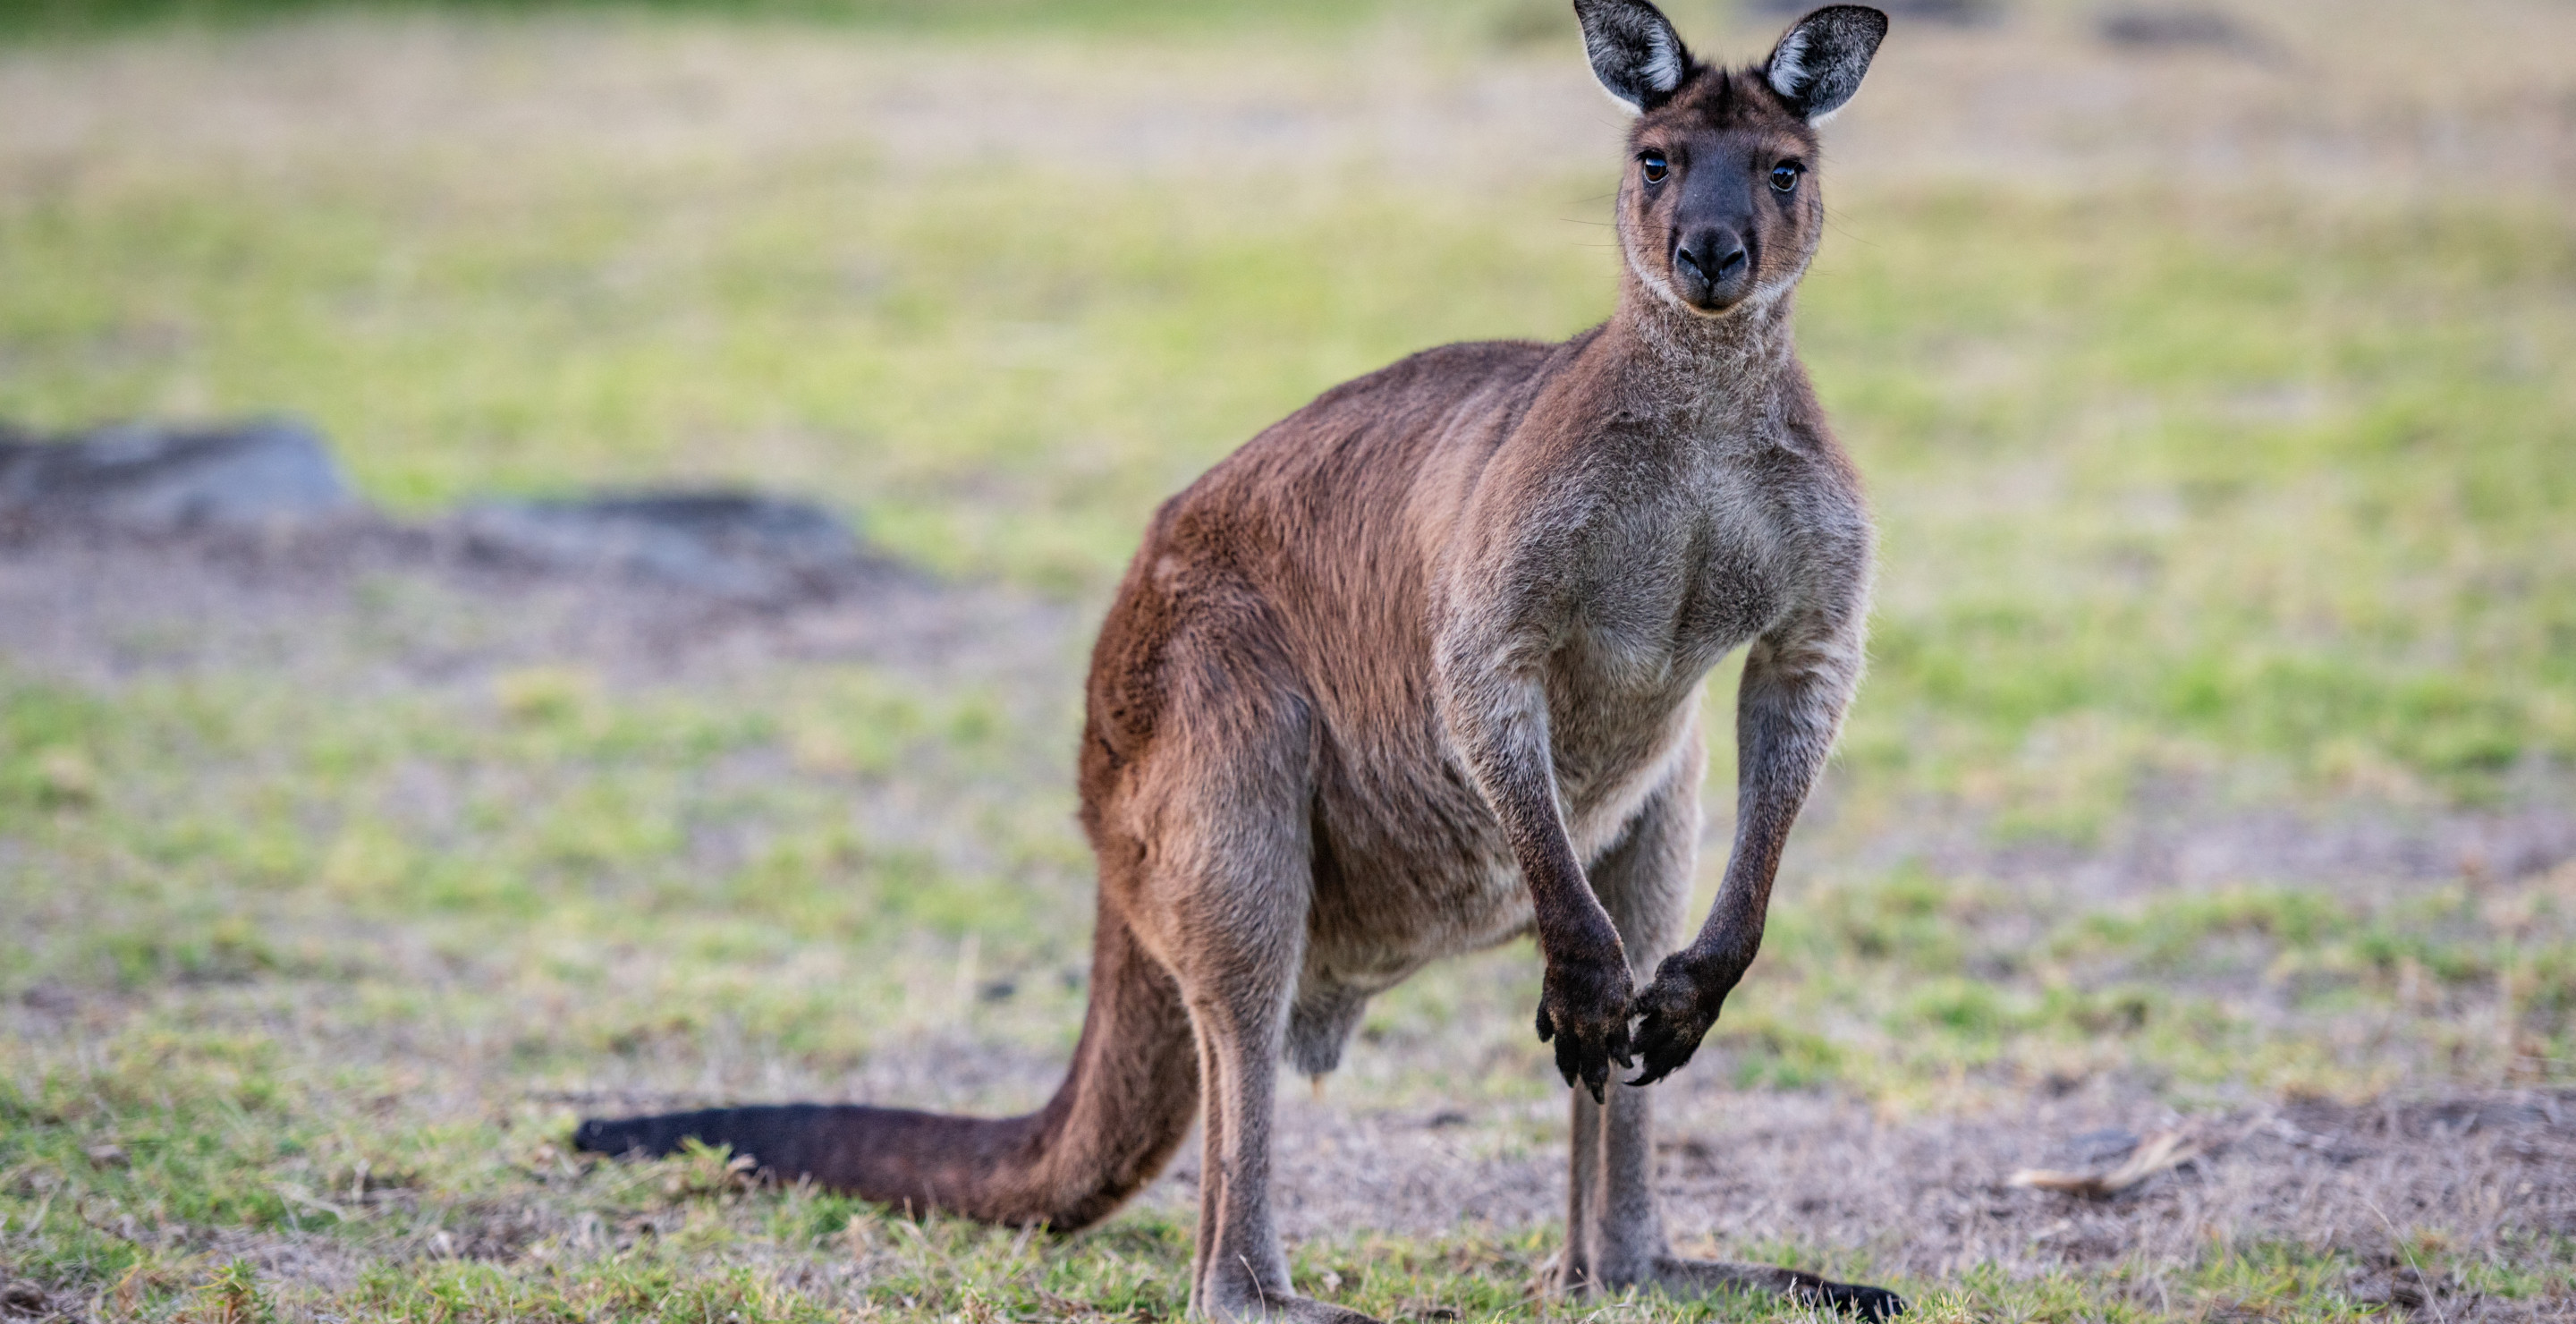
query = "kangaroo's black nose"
x=1715 y=257
x=1711 y=267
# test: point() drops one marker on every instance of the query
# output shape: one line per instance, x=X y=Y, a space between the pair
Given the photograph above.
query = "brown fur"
x=1418 y=670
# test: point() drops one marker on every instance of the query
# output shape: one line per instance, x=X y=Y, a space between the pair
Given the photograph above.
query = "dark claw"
x=1675 y=1013
x=1664 y=1051
x=1546 y=1025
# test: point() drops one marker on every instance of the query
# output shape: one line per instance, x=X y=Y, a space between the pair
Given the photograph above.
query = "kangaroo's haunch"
x=1417 y=671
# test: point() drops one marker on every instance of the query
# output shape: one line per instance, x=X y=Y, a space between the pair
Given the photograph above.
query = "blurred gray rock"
x=276 y=476
x=735 y=545
x=258 y=475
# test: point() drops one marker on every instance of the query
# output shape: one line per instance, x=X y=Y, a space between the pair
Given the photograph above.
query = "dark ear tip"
x=1854 y=21
x=1857 y=15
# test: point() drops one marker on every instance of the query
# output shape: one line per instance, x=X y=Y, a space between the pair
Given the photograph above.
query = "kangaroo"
x=1417 y=671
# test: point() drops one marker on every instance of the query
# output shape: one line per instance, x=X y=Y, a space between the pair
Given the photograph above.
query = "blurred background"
x=2206 y=830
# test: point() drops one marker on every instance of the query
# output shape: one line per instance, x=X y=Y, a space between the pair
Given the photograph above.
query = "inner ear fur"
x=1634 y=51
x=1819 y=61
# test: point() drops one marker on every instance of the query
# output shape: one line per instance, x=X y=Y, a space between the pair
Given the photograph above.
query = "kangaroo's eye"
x=1784 y=177
x=1654 y=167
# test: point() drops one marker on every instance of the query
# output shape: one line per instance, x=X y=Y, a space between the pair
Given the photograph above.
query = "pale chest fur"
x=1674 y=573
x=1688 y=554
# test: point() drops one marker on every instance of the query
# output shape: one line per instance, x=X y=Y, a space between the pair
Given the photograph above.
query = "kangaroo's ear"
x=1818 y=64
x=1635 y=52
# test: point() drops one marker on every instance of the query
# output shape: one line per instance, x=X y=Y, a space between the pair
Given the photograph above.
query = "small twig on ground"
x=294 y=1194
x=2159 y=1151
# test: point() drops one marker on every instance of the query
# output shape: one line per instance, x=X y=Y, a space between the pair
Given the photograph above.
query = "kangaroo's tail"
x=1129 y=1099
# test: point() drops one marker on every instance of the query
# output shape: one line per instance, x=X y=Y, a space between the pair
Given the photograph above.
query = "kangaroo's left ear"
x=1818 y=64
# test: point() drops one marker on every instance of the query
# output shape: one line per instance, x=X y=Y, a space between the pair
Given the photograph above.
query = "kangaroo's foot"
x=1281 y=1308
x=1683 y=1277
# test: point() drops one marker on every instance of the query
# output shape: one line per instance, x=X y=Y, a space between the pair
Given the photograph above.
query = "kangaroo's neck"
x=1716 y=373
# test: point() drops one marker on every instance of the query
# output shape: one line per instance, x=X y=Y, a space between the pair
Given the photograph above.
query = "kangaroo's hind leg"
x=1614 y=1228
x=1219 y=809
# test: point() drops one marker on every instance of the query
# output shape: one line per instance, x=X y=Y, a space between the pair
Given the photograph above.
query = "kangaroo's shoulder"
x=1415 y=391
x=1358 y=444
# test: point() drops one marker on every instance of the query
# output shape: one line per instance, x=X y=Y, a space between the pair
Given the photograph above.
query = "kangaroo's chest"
x=1673 y=577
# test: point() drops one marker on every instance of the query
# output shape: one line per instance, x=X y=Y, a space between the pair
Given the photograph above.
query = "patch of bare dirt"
x=1931 y=1196
x=366 y=604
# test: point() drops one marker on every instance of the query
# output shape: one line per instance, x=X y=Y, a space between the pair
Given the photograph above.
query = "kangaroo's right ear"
x=1635 y=52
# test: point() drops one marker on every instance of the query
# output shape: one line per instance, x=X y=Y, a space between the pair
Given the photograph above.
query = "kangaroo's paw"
x=1583 y=1006
x=1700 y=1277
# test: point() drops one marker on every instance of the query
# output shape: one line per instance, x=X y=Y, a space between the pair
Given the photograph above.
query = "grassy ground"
x=2221 y=506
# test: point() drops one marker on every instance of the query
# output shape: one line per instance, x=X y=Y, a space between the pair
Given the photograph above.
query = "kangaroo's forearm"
x=1787 y=714
x=1500 y=725
x=1498 y=717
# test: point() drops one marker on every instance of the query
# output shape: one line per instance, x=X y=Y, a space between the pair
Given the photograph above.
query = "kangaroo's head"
x=1719 y=204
